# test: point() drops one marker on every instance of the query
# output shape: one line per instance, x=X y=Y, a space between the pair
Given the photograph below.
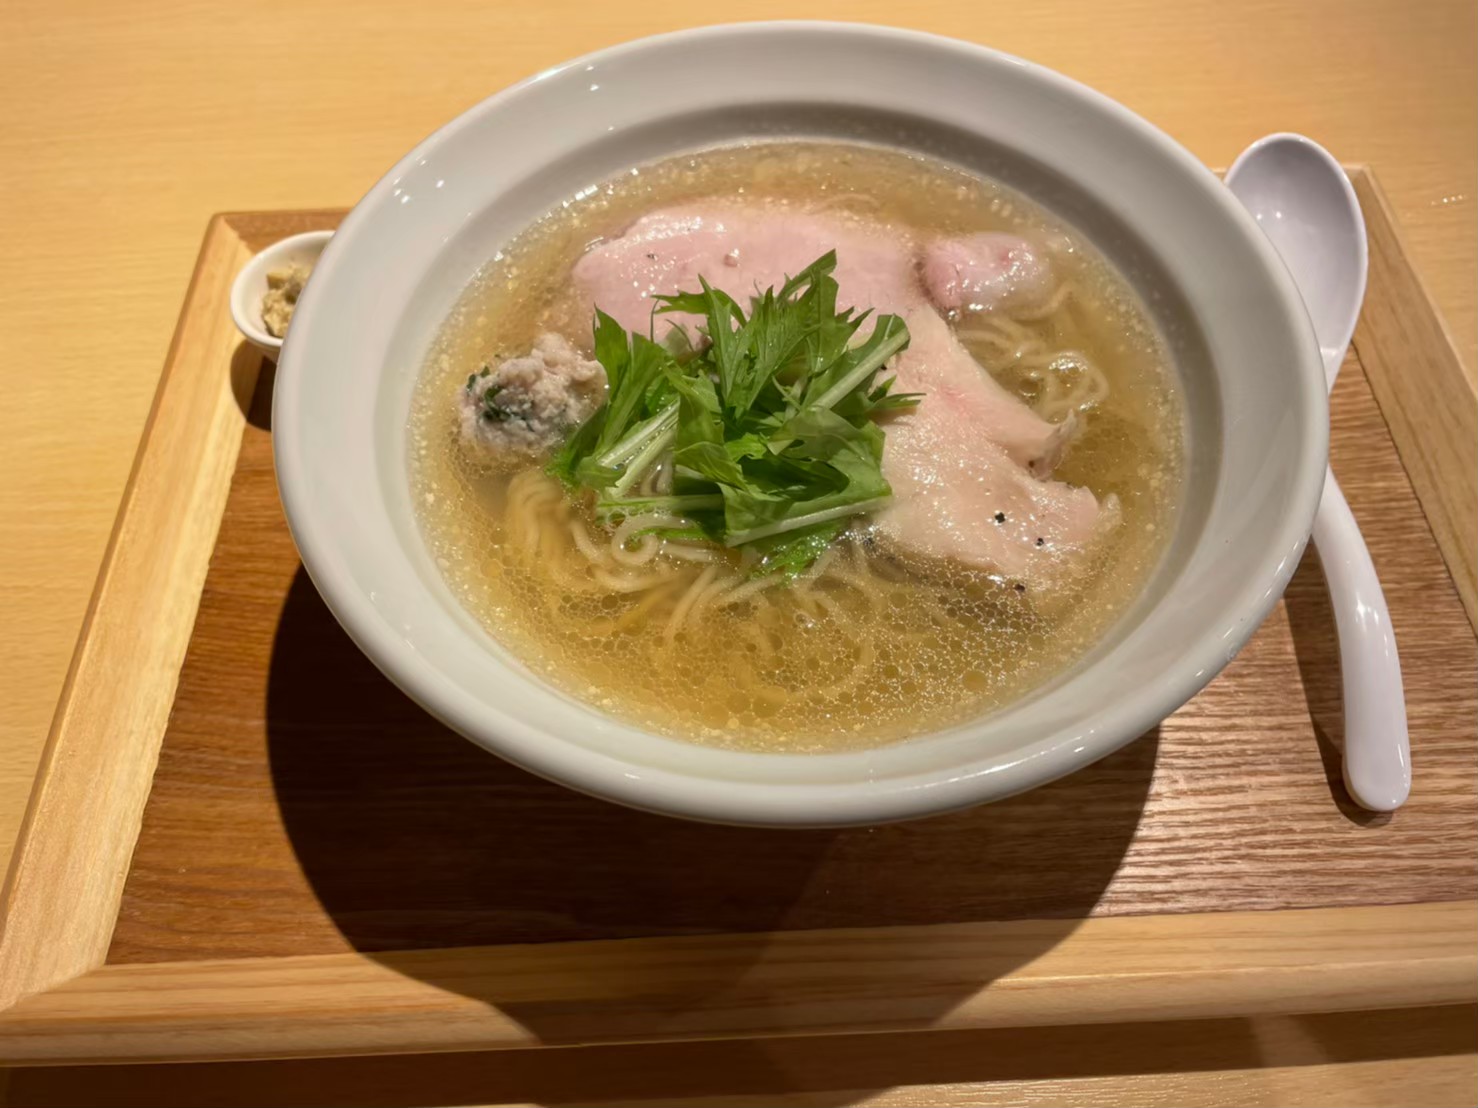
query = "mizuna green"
x=770 y=427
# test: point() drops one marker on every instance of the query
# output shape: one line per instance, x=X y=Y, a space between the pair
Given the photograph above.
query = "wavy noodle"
x=647 y=547
x=658 y=480
x=866 y=655
x=1051 y=307
x=617 y=582
x=749 y=589
x=1058 y=378
x=679 y=583
x=864 y=583
x=689 y=598
x=632 y=526
x=633 y=616
x=720 y=583
x=583 y=542
x=690 y=552
x=527 y=494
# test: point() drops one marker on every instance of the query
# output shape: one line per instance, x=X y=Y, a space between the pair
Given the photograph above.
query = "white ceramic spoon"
x=1303 y=201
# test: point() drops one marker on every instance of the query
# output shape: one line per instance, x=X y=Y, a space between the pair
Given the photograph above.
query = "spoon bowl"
x=1305 y=204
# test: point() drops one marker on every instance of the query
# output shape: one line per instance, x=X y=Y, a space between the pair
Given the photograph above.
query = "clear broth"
x=879 y=648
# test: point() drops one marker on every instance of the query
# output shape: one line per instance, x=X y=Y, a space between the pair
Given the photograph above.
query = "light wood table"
x=125 y=127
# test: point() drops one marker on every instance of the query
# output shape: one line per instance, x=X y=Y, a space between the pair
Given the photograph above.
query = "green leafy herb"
x=794 y=552
x=491 y=410
x=770 y=429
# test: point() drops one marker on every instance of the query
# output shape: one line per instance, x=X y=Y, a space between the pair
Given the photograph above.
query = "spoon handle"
x=1377 y=749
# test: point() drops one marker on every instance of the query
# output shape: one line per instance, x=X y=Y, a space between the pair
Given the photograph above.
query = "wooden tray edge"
x=952 y=976
x=61 y=898
x=1409 y=358
x=65 y=883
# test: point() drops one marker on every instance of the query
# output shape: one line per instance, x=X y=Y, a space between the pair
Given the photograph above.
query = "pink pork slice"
x=984 y=271
x=958 y=463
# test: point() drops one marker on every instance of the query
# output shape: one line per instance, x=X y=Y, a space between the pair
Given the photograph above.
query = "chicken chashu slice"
x=969 y=465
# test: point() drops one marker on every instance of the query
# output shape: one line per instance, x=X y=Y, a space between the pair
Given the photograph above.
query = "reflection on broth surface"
x=894 y=631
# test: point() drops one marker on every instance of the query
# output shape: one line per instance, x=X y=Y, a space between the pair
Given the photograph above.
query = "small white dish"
x=250 y=285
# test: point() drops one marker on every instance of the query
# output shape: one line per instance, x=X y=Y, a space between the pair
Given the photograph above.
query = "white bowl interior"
x=1244 y=354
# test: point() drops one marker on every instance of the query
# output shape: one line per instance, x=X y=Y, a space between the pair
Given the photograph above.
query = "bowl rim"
x=810 y=804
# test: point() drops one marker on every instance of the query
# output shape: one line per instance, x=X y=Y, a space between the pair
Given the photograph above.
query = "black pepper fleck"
x=1000 y=517
x=1041 y=541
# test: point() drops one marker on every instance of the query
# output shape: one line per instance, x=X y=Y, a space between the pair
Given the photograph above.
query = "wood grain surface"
x=1026 y=973
x=1438 y=443
x=968 y=961
x=123 y=134
x=105 y=738
x=303 y=805
x=1351 y=1059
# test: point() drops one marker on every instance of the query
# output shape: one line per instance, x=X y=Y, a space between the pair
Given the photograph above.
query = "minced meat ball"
x=284 y=286
x=528 y=405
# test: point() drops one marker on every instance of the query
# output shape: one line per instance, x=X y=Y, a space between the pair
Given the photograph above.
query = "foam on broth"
x=878 y=648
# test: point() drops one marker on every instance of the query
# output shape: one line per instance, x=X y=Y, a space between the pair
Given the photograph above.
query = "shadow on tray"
x=414 y=838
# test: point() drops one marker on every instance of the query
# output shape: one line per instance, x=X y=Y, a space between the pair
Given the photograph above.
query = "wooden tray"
x=317 y=867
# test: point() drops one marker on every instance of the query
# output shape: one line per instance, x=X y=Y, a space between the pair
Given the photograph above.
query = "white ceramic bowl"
x=251 y=285
x=1245 y=353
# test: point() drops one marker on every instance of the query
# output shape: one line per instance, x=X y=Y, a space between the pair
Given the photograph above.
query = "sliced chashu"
x=984 y=272
x=961 y=464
